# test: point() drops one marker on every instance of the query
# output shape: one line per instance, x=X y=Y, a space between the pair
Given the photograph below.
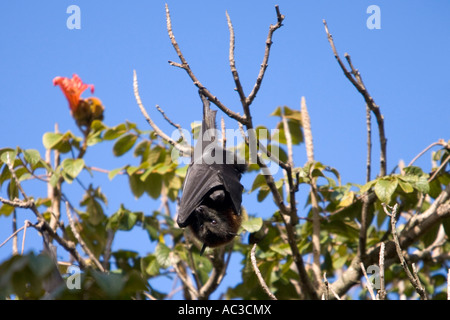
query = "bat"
x=210 y=204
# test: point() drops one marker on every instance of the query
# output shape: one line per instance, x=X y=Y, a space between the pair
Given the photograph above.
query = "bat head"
x=214 y=227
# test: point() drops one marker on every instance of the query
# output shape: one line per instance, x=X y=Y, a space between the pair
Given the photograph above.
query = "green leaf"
x=73 y=167
x=406 y=187
x=6 y=210
x=162 y=253
x=32 y=156
x=276 y=112
x=8 y=154
x=114 y=172
x=385 y=188
x=422 y=184
x=124 y=144
x=258 y=182
x=123 y=219
x=153 y=185
x=253 y=225
x=114 y=133
x=263 y=193
x=51 y=139
x=136 y=185
x=57 y=141
x=347 y=199
x=150 y=265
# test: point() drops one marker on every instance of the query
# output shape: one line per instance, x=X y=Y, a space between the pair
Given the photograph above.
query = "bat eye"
x=213 y=222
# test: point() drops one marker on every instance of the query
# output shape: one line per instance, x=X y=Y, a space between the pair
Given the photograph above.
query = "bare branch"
x=382 y=291
x=443 y=164
x=183 y=149
x=26 y=224
x=177 y=126
x=355 y=78
x=368 y=282
x=259 y=276
x=17 y=203
x=414 y=281
x=264 y=64
x=237 y=81
x=369 y=144
x=224 y=135
x=441 y=142
x=81 y=241
x=184 y=65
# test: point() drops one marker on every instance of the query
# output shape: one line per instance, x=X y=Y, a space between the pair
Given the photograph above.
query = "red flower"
x=72 y=89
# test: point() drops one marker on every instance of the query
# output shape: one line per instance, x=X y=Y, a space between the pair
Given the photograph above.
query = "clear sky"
x=404 y=66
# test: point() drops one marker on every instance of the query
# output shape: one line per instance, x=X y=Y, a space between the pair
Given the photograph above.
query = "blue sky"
x=404 y=66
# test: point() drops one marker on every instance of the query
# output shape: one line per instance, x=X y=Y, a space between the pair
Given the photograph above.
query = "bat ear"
x=203 y=249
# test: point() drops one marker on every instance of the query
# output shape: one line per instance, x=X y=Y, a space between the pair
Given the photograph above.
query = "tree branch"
x=259 y=276
x=183 y=149
x=306 y=124
x=234 y=71
x=81 y=241
x=184 y=65
x=265 y=61
x=414 y=280
x=355 y=78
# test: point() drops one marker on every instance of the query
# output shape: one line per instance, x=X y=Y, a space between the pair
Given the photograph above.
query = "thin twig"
x=234 y=71
x=326 y=294
x=14 y=225
x=186 y=280
x=369 y=144
x=81 y=241
x=416 y=284
x=15 y=233
x=177 y=126
x=224 y=134
x=183 y=149
x=261 y=280
x=439 y=169
x=368 y=282
x=184 y=65
x=355 y=78
x=264 y=64
x=441 y=142
x=382 y=291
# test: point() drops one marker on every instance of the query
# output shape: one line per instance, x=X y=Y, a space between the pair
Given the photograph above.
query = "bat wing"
x=231 y=181
x=200 y=179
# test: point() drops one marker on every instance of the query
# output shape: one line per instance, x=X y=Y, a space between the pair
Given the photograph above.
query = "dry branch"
x=355 y=78
x=81 y=241
x=258 y=274
x=413 y=279
x=184 y=65
x=183 y=149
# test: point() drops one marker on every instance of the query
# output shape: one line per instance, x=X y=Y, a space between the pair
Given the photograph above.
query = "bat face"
x=215 y=222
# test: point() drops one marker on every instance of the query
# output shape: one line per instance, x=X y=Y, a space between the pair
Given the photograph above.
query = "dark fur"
x=211 y=202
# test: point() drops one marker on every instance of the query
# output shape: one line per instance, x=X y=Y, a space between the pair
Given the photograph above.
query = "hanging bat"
x=212 y=193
